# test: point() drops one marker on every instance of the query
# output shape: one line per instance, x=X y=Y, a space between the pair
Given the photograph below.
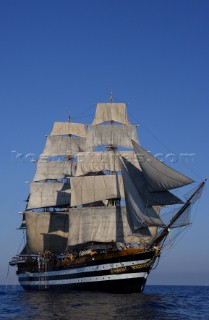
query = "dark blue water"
x=157 y=302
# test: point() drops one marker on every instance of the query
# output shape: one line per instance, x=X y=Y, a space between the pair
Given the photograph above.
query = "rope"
x=165 y=146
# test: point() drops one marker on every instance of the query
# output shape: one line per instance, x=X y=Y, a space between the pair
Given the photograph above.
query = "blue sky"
x=64 y=56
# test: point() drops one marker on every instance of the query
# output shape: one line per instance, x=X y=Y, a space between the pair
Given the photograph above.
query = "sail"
x=23 y=225
x=47 y=231
x=102 y=224
x=183 y=220
x=111 y=112
x=153 y=230
x=63 y=128
x=63 y=145
x=117 y=135
x=88 y=189
x=53 y=231
x=52 y=170
x=158 y=175
x=48 y=194
x=140 y=215
x=101 y=161
x=153 y=198
x=194 y=197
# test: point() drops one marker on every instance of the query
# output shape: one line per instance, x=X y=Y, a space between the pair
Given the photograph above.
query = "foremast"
x=50 y=190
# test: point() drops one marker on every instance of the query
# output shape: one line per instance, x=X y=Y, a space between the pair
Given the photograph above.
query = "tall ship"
x=93 y=218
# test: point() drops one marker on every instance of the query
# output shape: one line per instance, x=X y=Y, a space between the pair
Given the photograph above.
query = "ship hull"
x=122 y=274
x=135 y=285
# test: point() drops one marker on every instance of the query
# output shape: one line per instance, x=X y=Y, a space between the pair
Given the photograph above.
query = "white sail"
x=63 y=128
x=153 y=230
x=117 y=135
x=158 y=175
x=150 y=198
x=88 y=189
x=48 y=194
x=102 y=224
x=111 y=112
x=141 y=216
x=53 y=231
x=63 y=145
x=47 y=231
x=53 y=170
x=101 y=161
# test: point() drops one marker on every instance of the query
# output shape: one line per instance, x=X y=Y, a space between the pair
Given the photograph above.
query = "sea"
x=157 y=302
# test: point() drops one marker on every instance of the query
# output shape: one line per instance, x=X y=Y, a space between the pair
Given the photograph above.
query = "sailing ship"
x=93 y=216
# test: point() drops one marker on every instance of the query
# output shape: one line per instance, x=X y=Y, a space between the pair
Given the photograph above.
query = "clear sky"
x=64 y=56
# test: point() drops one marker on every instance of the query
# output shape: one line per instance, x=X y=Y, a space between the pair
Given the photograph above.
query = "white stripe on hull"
x=100 y=267
x=85 y=280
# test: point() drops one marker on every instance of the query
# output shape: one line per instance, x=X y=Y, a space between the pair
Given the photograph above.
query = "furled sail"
x=88 y=189
x=63 y=145
x=53 y=169
x=48 y=194
x=100 y=161
x=63 y=128
x=154 y=198
x=111 y=112
x=141 y=216
x=117 y=135
x=47 y=231
x=158 y=175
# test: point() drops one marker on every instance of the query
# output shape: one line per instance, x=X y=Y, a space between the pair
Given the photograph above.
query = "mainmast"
x=111 y=97
x=111 y=147
x=69 y=158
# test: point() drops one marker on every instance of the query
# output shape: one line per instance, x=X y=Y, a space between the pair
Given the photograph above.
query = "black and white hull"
x=117 y=274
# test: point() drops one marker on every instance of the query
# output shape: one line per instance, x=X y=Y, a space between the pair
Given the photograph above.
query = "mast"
x=111 y=147
x=111 y=96
x=166 y=231
x=69 y=158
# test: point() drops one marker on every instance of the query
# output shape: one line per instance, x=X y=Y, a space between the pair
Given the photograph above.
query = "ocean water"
x=157 y=302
